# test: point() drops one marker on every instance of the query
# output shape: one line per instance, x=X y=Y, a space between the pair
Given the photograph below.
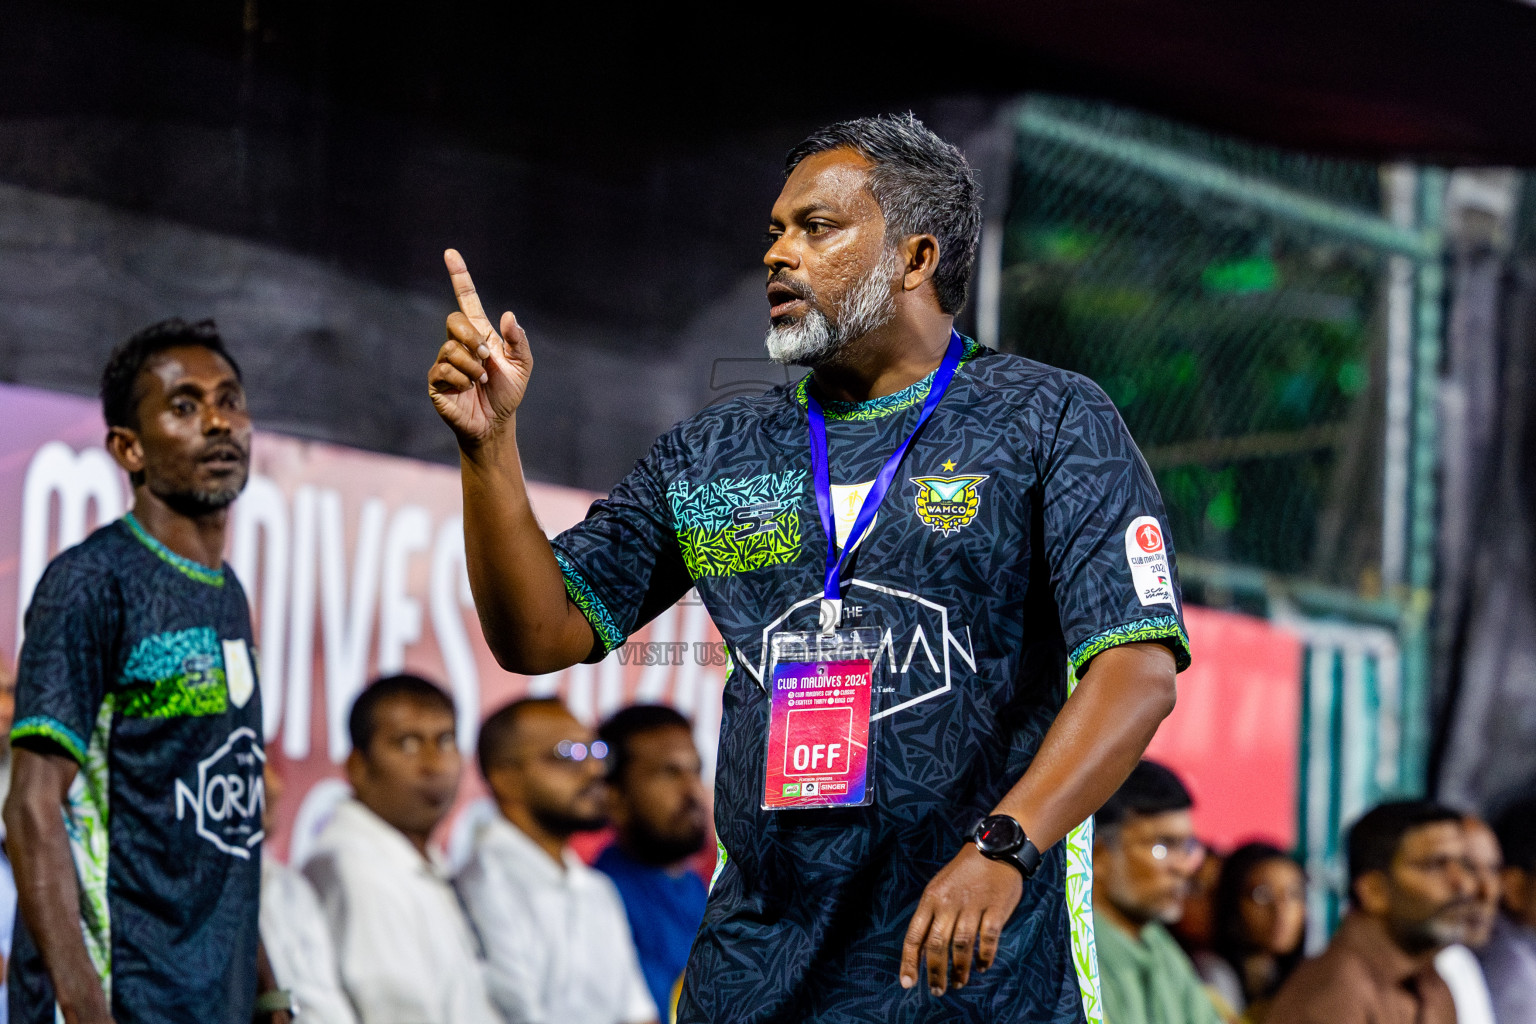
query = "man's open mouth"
x=227 y=457
x=782 y=300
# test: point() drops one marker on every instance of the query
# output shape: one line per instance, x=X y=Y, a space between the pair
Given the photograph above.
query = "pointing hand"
x=480 y=375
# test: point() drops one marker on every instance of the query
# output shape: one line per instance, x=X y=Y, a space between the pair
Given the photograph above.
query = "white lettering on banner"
x=301 y=637
x=316 y=574
x=449 y=597
x=410 y=532
x=1147 y=556
x=78 y=481
x=260 y=558
x=347 y=626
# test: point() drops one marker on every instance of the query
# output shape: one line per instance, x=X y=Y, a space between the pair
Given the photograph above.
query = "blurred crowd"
x=1440 y=925
x=373 y=927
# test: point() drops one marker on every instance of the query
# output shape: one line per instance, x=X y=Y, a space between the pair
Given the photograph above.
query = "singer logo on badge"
x=1147 y=556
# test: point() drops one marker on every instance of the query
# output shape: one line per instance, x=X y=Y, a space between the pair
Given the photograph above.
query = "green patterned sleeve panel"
x=1164 y=629
x=584 y=597
x=52 y=730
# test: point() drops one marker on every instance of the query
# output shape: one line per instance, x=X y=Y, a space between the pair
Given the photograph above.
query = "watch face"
x=999 y=834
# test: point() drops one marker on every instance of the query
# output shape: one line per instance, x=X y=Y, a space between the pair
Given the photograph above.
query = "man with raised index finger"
x=974 y=536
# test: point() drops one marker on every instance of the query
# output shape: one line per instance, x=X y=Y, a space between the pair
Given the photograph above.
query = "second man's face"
x=659 y=805
x=563 y=792
x=194 y=432
x=409 y=776
x=1151 y=864
x=1430 y=894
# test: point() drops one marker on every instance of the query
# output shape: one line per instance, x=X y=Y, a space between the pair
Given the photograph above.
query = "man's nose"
x=780 y=256
x=436 y=759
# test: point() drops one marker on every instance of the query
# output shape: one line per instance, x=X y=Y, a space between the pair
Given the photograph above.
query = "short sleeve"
x=1105 y=533
x=622 y=564
x=62 y=674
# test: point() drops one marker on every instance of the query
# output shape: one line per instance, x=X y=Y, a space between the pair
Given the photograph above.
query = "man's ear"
x=1373 y=892
x=357 y=769
x=126 y=451
x=505 y=781
x=921 y=254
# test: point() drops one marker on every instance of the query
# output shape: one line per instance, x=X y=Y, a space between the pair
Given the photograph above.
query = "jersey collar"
x=195 y=571
x=886 y=405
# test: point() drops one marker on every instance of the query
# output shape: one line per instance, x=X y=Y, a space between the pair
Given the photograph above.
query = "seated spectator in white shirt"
x=407 y=953
x=294 y=931
x=558 y=948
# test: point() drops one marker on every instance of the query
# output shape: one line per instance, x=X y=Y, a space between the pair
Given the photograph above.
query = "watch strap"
x=274 y=1000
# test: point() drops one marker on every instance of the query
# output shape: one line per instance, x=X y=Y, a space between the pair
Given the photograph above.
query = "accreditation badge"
x=819 y=749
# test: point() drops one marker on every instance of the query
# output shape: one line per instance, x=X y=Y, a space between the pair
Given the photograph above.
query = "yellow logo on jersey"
x=947 y=503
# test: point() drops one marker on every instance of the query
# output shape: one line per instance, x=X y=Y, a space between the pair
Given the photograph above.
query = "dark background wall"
x=296 y=170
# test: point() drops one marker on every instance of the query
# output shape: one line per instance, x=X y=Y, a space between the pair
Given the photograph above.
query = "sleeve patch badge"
x=947 y=503
x=1147 y=555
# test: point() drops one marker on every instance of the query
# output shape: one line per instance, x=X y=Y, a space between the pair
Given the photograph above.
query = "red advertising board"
x=354 y=566
x=1233 y=737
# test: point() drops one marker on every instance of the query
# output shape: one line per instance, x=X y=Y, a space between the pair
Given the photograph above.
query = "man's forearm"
x=518 y=587
x=49 y=898
x=1095 y=741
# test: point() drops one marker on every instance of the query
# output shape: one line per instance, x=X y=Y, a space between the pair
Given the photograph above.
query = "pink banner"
x=354 y=566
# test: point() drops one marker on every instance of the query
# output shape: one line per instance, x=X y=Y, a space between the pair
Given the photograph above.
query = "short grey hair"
x=923 y=186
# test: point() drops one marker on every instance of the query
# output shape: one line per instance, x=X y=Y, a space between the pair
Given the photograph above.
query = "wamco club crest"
x=947 y=503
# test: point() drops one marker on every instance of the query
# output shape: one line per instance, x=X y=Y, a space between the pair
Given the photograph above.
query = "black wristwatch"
x=1000 y=837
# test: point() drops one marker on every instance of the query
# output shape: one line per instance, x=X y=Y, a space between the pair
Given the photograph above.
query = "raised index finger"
x=464 y=289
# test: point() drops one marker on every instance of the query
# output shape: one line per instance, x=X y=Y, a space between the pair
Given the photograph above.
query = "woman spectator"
x=1260 y=922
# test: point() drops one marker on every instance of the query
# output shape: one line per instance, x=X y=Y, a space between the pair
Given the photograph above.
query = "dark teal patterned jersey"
x=1023 y=535
x=138 y=664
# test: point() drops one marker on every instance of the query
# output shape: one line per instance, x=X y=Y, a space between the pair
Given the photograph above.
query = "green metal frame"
x=1340 y=696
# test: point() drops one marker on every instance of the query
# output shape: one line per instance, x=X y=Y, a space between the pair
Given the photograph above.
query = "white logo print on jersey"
x=1147 y=556
x=231 y=795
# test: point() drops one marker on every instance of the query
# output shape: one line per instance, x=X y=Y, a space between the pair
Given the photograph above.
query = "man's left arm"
x=1089 y=750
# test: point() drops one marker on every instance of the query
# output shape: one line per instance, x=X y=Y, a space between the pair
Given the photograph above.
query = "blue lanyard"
x=832 y=588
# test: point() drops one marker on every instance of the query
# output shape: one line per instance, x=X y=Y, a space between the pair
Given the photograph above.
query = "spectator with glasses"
x=1260 y=916
x=1144 y=857
x=1412 y=892
x=558 y=945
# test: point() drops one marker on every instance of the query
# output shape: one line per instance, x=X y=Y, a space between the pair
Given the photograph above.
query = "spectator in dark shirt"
x=657 y=804
x=1412 y=893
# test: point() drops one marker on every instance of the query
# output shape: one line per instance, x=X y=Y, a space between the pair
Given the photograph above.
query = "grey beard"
x=817 y=338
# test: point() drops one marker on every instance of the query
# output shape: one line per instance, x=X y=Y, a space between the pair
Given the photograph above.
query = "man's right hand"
x=480 y=376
